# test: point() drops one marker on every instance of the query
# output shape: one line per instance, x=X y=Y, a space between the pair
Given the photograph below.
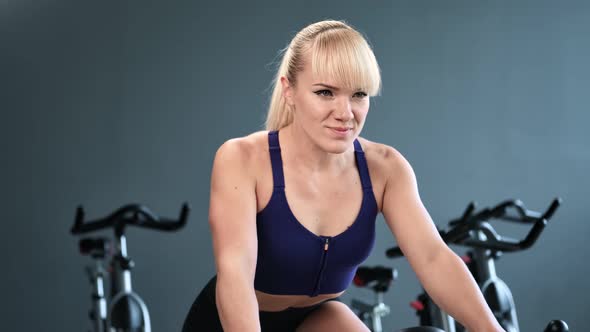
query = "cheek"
x=313 y=108
x=361 y=112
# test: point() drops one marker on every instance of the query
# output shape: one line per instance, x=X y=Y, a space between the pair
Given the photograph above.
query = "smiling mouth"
x=340 y=129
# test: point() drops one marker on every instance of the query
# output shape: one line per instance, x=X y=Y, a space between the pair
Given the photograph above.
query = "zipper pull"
x=326 y=245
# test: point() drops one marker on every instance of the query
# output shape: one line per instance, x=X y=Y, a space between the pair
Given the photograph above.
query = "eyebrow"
x=333 y=87
x=327 y=86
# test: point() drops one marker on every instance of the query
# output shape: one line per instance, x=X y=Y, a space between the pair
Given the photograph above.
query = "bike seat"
x=378 y=277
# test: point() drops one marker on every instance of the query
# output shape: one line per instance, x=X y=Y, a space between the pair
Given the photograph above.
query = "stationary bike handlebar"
x=131 y=214
x=462 y=228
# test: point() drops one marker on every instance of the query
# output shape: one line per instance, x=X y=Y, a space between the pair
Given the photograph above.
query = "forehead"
x=335 y=69
x=308 y=77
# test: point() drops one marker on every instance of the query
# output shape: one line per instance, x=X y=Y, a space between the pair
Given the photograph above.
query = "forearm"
x=452 y=287
x=236 y=304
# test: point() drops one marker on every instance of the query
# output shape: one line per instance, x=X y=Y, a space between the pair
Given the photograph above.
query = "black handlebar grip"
x=466 y=215
x=554 y=205
x=394 y=252
x=81 y=227
x=169 y=224
x=468 y=211
x=533 y=235
x=183 y=214
x=78 y=220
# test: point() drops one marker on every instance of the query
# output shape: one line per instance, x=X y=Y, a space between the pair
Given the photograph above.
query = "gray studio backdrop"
x=110 y=102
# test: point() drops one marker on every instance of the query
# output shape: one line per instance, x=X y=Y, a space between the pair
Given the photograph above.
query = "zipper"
x=322 y=267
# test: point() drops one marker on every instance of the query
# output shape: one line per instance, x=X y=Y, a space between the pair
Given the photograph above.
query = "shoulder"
x=382 y=155
x=385 y=160
x=243 y=148
x=242 y=152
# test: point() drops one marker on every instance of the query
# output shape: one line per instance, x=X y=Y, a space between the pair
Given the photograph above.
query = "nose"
x=343 y=110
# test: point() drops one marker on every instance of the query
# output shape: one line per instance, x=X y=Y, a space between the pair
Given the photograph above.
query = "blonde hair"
x=337 y=51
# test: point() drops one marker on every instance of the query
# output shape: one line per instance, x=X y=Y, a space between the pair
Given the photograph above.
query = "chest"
x=324 y=204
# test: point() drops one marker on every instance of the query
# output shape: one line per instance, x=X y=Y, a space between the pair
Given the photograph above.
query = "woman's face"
x=329 y=113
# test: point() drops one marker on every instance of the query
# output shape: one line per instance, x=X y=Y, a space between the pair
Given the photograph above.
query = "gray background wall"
x=110 y=102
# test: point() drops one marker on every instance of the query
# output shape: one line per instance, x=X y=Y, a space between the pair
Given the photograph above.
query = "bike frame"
x=98 y=313
x=109 y=314
x=122 y=295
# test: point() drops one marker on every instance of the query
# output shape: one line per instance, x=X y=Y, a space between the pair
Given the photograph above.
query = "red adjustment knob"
x=417 y=305
x=358 y=281
x=466 y=259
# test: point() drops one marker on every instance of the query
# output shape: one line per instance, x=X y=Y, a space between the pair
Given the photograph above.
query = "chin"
x=337 y=146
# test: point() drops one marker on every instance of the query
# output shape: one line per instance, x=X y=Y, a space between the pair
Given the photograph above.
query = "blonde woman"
x=293 y=208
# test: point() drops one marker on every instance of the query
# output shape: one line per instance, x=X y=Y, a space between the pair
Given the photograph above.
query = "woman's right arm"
x=232 y=218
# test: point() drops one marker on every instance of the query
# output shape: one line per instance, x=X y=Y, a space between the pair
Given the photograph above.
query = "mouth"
x=340 y=131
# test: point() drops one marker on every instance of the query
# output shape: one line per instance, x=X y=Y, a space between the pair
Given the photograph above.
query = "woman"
x=293 y=208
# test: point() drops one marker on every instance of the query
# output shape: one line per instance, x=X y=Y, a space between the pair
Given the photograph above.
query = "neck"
x=305 y=153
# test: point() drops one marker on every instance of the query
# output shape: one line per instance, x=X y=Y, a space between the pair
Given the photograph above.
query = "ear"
x=287 y=90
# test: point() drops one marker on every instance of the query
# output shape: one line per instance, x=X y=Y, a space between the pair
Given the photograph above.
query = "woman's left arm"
x=442 y=273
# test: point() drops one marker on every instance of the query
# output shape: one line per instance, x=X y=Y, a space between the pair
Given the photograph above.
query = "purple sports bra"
x=294 y=261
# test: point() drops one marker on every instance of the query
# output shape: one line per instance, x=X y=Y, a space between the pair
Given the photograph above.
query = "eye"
x=360 y=94
x=325 y=93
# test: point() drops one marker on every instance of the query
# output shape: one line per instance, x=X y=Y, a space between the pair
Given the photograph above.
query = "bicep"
x=232 y=211
x=407 y=216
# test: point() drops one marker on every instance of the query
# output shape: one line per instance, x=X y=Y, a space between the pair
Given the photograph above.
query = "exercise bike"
x=475 y=232
x=123 y=310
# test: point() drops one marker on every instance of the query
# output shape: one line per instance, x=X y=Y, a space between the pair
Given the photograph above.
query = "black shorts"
x=203 y=315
